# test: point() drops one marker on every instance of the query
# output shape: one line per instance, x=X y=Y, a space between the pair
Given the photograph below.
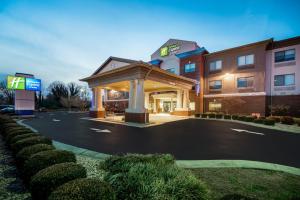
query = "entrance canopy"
x=155 y=78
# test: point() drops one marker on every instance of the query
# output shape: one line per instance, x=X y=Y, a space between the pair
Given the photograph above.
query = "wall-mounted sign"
x=33 y=84
x=22 y=83
x=168 y=50
x=15 y=83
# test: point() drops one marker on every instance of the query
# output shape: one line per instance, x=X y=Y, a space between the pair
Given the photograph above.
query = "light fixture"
x=228 y=76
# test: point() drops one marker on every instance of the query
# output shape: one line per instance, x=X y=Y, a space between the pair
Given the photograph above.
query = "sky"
x=67 y=40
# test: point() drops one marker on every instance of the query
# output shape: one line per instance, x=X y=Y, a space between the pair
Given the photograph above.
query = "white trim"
x=116 y=100
x=236 y=94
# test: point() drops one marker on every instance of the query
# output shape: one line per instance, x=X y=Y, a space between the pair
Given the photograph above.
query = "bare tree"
x=8 y=95
x=58 y=90
x=73 y=89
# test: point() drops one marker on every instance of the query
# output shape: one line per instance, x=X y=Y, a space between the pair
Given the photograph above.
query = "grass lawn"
x=258 y=184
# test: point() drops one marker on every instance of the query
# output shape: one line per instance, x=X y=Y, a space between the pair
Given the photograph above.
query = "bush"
x=48 y=179
x=250 y=118
x=227 y=116
x=10 y=135
x=27 y=152
x=242 y=118
x=197 y=115
x=219 y=116
x=211 y=115
x=21 y=137
x=270 y=122
x=236 y=197
x=86 y=188
x=258 y=121
x=45 y=159
x=287 y=120
x=149 y=181
x=8 y=128
x=204 y=115
x=275 y=118
x=118 y=164
x=235 y=117
x=16 y=147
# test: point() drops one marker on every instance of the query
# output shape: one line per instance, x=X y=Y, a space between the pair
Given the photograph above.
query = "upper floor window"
x=284 y=80
x=171 y=70
x=245 y=82
x=215 y=65
x=215 y=85
x=287 y=55
x=246 y=60
x=190 y=67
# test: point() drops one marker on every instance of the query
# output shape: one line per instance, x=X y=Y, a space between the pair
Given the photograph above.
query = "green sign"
x=15 y=83
x=164 y=51
x=168 y=50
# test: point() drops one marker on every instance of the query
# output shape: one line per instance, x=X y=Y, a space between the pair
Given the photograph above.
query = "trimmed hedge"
x=204 y=115
x=236 y=197
x=45 y=159
x=287 y=120
x=234 y=117
x=197 y=115
x=250 y=118
x=241 y=118
x=27 y=152
x=83 y=189
x=211 y=115
x=227 y=116
x=21 y=137
x=16 y=147
x=269 y=122
x=259 y=121
x=10 y=135
x=275 y=118
x=48 y=179
x=118 y=164
x=219 y=116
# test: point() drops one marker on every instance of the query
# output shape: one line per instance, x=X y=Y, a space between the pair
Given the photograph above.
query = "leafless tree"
x=8 y=95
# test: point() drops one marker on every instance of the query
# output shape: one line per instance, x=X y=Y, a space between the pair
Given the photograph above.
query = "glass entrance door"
x=166 y=106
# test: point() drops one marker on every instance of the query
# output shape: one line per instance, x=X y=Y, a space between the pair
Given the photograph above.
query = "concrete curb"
x=279 y=127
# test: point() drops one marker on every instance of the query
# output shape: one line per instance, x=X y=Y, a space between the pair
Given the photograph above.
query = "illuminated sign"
x=33 y=84
x=168 y=50
x=15 y=83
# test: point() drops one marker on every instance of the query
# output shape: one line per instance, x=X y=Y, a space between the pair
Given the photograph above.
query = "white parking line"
x=100 y=130
x=56 y=120
x=241 y=130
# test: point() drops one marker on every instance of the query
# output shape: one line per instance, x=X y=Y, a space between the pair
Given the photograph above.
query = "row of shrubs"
x=49 y=173
x=261 y=120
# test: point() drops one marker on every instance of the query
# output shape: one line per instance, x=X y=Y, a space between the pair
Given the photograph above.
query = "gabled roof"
x=125 y=60
x=191 y=53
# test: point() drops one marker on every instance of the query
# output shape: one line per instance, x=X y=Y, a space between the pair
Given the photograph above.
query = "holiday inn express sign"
x=168 y=50
x=22 y=83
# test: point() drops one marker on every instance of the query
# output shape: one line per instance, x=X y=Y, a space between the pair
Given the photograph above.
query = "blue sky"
x=68 y=39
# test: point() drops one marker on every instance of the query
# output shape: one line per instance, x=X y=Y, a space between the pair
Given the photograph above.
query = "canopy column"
x=97 y=110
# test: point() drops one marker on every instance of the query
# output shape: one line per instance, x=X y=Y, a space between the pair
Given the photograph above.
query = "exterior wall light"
x=228 y=76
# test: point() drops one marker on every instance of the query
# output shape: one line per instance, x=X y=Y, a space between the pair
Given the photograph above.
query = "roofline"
x=284 y=43
x=243 y=46
x=113 y=58
x=140 y=64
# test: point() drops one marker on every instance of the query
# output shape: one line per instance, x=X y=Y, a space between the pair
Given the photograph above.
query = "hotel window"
x=246 y=60
x=284 y=80
x=287 y=55
x=190 y=67
x=171 y=70
x=215 y=65
x=214 y=106
x=245 y=82
x=215 y=85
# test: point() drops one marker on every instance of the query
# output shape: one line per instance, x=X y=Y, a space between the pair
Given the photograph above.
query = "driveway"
x=190 y=139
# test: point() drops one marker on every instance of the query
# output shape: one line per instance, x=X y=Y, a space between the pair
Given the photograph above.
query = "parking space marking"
x=100 y=130
x=56 y=120
x=242 y=130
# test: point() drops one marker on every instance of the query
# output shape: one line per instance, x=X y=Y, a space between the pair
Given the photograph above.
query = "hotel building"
x=183 y=78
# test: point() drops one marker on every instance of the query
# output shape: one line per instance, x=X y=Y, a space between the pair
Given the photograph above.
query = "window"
x=171 y=70
x=214 y=106
x=246 y=60
x=245 y=82
x=215 y=85
x=284 y=80
x=215 y=65
x=287 y=55
x=190 y=67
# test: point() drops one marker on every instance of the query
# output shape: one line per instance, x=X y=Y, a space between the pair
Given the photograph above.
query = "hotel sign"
x=169 y=50
x=22 y=83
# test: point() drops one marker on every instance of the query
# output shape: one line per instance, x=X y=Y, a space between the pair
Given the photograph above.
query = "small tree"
x=279 y=109
x=7 y=95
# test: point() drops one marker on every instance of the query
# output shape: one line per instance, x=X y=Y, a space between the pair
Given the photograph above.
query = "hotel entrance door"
x=166 y=106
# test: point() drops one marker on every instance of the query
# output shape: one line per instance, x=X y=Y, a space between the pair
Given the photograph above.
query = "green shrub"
x=235 y=117
x=212 y=115
x=204 y=115
x=259 y=121
x=27 y=152
x=197 y=115
x=242 y=118
x=7 y=128
x=287 y=120
x=48 y=179
x=16 y=147
x=236 y=197
x=219 y=116
x=117 y=164
x=149 y=181
x=83 y=189
x=21 y=137
x=270 y=122
x=250 y=118
x=10 y=135
x=275 y=118
x=45 y=159
x=227 y=116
